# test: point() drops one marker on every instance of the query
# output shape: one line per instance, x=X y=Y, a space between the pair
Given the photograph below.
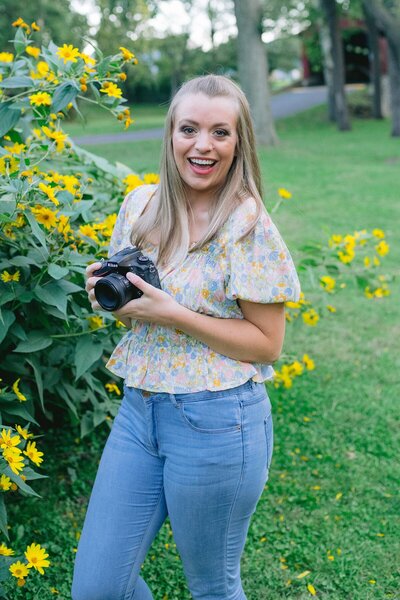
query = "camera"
x=114 y=290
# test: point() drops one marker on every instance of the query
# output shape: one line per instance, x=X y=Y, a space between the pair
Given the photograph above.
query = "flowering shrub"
x=329 y=269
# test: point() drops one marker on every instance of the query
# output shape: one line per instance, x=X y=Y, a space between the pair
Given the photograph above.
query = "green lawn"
x=331 y=504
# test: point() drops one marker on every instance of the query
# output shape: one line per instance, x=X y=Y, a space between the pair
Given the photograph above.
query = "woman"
x=193 y=437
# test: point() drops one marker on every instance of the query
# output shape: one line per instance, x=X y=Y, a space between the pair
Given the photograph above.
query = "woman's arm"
x=256 y=338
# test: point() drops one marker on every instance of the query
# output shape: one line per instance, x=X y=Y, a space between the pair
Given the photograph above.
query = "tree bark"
x=389 y=22
x=328 y=8
x=326 y=47
x=253 y=68
x=374 y=60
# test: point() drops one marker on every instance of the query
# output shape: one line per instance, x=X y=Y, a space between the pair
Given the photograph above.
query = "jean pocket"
x=215 y=415
x=269 y=436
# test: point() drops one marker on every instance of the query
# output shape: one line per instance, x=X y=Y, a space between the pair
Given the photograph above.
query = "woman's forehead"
x=200 y=107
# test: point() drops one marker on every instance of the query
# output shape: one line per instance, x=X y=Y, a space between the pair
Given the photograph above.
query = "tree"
x=375 y=63
x=253 y=67
x=334 y=64
x=56 y=19
x=387 y=16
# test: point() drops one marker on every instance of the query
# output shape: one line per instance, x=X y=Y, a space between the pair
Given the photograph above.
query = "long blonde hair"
x=169 y=209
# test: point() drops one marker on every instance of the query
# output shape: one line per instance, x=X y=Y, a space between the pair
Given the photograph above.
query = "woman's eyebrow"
x=191 y=122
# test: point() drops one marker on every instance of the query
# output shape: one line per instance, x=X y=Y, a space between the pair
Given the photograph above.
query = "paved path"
x=283 y=105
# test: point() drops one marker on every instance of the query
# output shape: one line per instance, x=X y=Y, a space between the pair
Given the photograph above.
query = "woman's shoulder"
x=136 y=200
x=243 y=216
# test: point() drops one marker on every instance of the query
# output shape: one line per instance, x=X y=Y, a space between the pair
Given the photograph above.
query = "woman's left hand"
x=155 y=306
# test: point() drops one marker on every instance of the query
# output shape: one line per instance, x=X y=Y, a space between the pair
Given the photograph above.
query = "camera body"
x=114 y=290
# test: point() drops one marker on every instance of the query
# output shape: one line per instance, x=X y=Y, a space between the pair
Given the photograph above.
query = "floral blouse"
x=210 y=280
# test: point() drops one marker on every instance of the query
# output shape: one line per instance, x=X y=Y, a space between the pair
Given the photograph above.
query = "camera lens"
x=113 y=291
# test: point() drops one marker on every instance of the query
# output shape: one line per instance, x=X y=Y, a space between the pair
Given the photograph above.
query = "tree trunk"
x=374 y=62
x=389 y=21
x=394 y=76
x=328 y=8
x=326 y=47
x=253 y=68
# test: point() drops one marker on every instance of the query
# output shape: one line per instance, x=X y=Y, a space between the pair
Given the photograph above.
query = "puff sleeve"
x=260 y=268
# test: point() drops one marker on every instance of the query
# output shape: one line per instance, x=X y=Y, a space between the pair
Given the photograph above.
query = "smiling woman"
x=193 y=438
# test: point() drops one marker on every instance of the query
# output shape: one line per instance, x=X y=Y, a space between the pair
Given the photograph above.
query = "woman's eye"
x=188 y=130
x=221 y=132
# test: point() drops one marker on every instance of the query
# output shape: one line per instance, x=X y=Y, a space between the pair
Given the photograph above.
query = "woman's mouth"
x=202 y=165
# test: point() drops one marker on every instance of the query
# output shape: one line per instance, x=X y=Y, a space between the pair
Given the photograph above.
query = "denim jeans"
x=202 y=459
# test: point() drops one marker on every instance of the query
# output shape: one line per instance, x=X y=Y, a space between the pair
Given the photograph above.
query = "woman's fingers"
x=91 y=268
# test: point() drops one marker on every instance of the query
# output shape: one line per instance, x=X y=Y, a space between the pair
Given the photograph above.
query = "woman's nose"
x=203 y=142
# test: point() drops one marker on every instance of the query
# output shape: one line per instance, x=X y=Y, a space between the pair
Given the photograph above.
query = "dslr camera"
x=114 y=290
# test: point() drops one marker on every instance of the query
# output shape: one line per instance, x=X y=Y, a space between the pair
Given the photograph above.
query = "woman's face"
x=204 y=141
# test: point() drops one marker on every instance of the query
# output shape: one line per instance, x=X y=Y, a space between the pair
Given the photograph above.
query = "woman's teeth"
x=202 y=162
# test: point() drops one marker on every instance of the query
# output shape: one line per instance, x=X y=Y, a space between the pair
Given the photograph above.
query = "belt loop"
x=173 y=400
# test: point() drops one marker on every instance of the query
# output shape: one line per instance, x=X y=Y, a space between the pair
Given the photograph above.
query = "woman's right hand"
x=90 y=283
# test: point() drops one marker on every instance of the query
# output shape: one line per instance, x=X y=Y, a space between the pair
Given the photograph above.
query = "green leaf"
x=63 y=95
x=52 y=294
x=37 y=232
x=6 y=296
x=20 y=411
x=20 y=41
x=86 y=353
x=57 y=272
x=8 y=204
x=30 y=474
x=33 y=361
x=16 y=82
x=68 y=287
x=6 y=320
x=86 y=424
x=22 y=261
x=8 y=117
x=36 y=341
x=20 y=482
x=3 y=516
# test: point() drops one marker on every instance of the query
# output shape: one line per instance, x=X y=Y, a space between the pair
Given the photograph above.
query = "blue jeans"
x=202 y=459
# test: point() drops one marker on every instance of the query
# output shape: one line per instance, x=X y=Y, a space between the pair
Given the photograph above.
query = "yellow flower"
x=378 y=233
x=303 y=574
x=367 y=261
x=58 y=136
x=32 y=51
x=8 y=165
x=127 y=55
x=310 y=317
x=328 y=283
x=5 y=484
x=309 y=363
x=6 y=441
x=111 y=89
x=63 y=226
x=88 y=231
x=35 y=27
x=33 y=453
x=16 y=148
x=132 y=182
x=19 y=570
x=17 y=392
x=4 y=551
x=335 y=240
x=24 y=433
x=150 y=178
x=346 y=257
x=382 y=248
x=284 y=193
x=40 y=99
x=35 y=555
x=42 y=70
x=14 y=459
x=311 y=589
x=95 y=322
x=49 y=191
x=88 y=59
x=19 y=22
x=7 y=277
x=128 y=122
x=6 y=57
x=331 y=308
x=45 y=216
x=112 y=387
x=71 y=183
x=296 y=368
x=376 y=261
x=68 y=53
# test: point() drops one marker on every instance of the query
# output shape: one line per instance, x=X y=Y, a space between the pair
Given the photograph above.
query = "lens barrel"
x=113 y=291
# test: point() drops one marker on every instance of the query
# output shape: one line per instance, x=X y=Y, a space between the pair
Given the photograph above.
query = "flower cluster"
x=285 y=375
x=35 y=556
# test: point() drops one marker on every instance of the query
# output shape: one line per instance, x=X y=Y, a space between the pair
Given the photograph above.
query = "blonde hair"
x=169 y=209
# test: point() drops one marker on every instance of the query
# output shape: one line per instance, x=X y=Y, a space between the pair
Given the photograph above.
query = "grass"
x=333 y=487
